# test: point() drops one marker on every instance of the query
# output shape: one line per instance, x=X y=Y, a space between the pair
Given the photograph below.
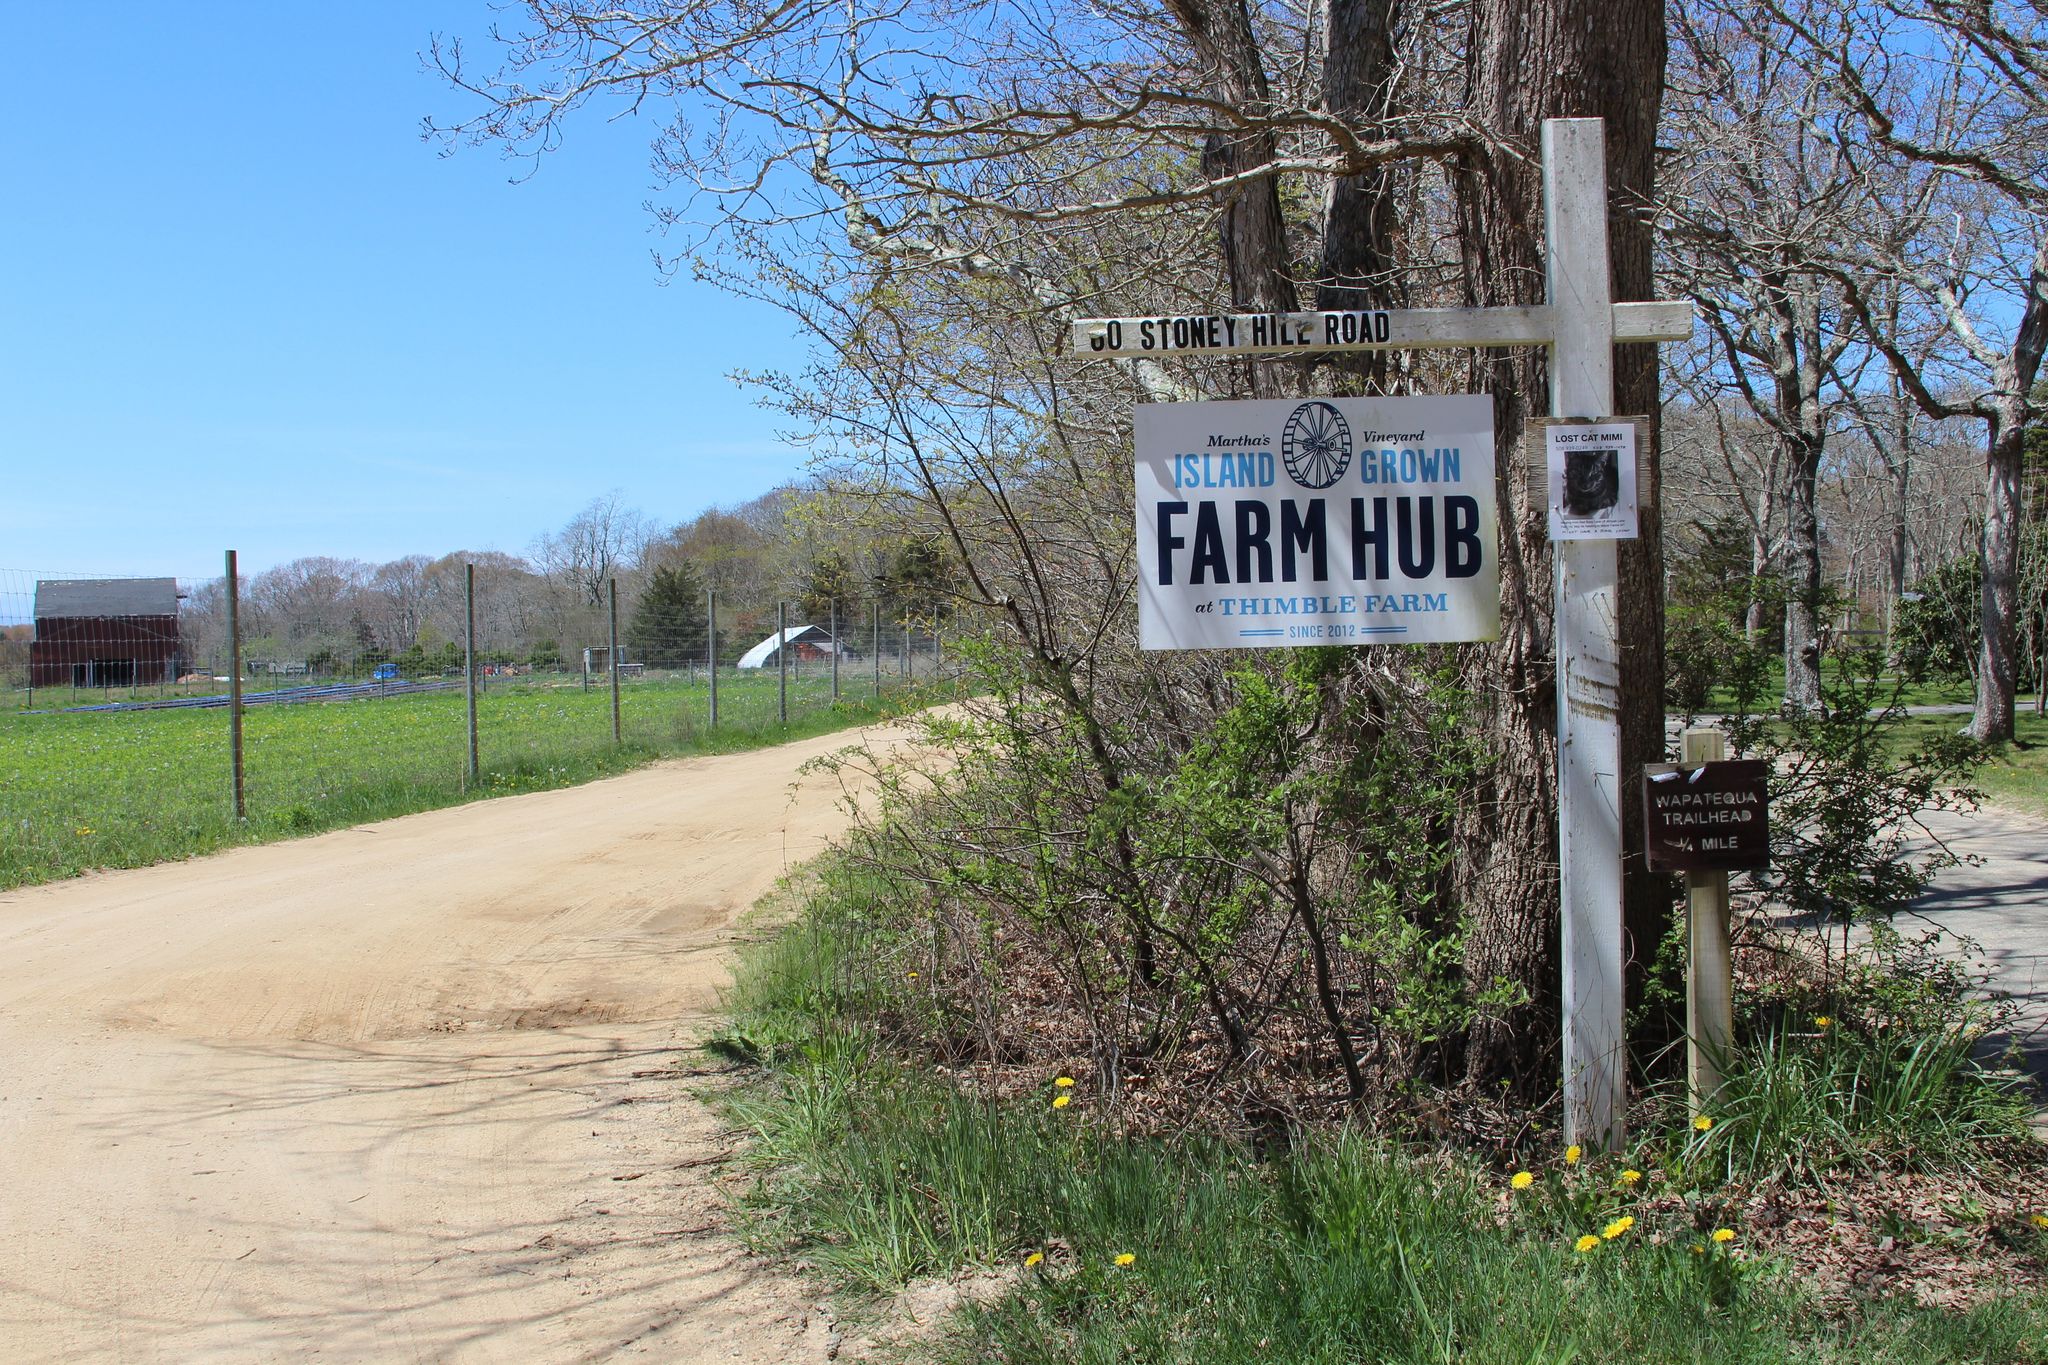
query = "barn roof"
x=62 y=597
x=759 y=655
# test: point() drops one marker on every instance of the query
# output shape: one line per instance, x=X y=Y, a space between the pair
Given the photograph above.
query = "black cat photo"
x=1592 y=481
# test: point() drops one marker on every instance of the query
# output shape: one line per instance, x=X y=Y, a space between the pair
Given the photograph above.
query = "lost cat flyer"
x=1276 y=523
x=1592 y=469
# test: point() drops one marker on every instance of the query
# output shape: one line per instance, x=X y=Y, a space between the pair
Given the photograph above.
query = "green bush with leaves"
x=1847 y=799
x=1935 y=626
x=1257 y=914
x=1340 y=1246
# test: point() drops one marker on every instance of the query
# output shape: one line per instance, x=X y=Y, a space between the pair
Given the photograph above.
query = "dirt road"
x=402 y=1092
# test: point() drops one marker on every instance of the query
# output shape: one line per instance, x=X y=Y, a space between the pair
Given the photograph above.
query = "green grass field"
x=2014 y=774
x=1925 y=692
x=101 y=790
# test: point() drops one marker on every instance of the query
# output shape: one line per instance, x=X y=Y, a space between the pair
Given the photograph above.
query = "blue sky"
x=245 y=306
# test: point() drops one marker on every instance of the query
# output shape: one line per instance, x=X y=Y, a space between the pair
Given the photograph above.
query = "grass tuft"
x=1799 y=1105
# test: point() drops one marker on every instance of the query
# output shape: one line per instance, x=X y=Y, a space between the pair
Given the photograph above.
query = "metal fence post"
x=612 y=658
x=782 y=661
x=875 y=649
x=711 y=649
x=469 y=660
x=235 y=685
x=834 y=630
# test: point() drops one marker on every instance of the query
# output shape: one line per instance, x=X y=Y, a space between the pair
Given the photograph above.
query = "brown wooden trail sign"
x=1707 y=817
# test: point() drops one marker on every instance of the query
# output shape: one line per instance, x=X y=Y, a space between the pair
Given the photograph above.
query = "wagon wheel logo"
x=1316 y=445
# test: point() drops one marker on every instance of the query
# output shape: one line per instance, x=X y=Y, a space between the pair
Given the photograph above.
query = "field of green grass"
x=99 y=790
x=1925 y=692
x=2014 y=774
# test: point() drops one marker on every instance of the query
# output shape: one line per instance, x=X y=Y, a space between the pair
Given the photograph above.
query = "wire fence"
x=149 y=718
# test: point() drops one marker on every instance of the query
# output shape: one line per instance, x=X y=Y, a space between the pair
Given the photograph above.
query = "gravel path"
x=2001 y=904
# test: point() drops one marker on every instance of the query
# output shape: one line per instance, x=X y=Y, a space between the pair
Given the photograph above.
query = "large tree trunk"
x=1254 y=232
x=1803 y=434
x=1359 y=221
x=1532 y=60
x=2005 y=453
x=1998 y=607
x=1803 y=579
x=1359 y=217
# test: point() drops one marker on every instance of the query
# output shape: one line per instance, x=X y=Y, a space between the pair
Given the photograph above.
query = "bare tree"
x=402 y=593
x=931 y=212
x=1752 y=183
x=317 y=600
x=598 y=543
x=1962 y=125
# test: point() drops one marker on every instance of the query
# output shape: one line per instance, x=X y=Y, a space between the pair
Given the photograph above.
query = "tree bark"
x=1359 y=219
x=1802 y=430
x=1254 y=234
x=1532 y=60
x=1803 y=581
x=1998 y=606
x=2004 y=457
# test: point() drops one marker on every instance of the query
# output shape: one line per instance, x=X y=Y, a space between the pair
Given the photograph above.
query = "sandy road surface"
x=402 y=1092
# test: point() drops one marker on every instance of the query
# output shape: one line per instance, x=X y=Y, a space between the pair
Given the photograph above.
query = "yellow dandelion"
x=1697 y=1251
x=1125 y=1258
x=1521 y=1180
x=1064 y=1082
x=1573 y=1153
x=1821 y=1021
x=910 y=976
x=2039 y=1220
x=1630 y=1177
x=1062 y=1101
x=1587 y=1242
x=1723 y=1236
x=1033 y=1259
x=1617 y=1227
x=1702 y=1123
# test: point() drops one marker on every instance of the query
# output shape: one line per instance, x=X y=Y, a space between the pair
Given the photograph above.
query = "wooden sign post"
x=1705 y=818
x=1579 y=287
x=1580 y=323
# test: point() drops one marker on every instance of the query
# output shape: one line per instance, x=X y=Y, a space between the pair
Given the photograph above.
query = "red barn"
x=105 y=632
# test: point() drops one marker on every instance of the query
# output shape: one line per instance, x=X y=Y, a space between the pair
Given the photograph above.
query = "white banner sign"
x=1322 y=521
x=1592 y=469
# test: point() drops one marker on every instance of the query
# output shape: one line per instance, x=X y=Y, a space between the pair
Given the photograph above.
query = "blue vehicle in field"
x=385 y=673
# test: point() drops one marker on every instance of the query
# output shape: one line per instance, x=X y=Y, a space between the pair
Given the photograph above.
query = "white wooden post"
x=1710 y=974
x=1579 y=290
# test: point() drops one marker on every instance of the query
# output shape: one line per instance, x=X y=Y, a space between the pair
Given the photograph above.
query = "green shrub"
x=1341 y=1248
